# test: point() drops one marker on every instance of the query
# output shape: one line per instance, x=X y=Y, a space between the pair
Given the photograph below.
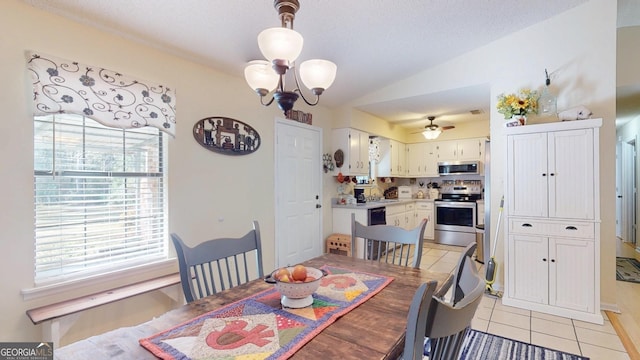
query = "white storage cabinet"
x=552 y=227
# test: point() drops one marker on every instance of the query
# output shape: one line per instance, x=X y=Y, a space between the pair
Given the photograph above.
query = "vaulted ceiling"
x=373 y=42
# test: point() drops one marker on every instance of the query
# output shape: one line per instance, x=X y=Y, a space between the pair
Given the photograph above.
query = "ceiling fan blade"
x=447 y=127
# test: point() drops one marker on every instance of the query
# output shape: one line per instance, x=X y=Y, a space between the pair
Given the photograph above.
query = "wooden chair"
x=391 y=244
x=218 y=264
x=437 y=327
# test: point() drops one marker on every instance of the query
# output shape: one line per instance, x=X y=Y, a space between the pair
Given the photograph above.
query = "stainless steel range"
x=455 y=212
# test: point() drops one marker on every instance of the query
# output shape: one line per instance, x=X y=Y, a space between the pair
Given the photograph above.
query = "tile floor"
x=572 y=336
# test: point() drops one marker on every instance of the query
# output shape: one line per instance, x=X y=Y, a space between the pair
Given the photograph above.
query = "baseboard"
x=610 y=307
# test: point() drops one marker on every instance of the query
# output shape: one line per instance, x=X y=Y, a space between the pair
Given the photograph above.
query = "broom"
x=492 y=266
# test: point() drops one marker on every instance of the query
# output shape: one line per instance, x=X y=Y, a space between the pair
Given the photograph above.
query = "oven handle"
x=454 y=204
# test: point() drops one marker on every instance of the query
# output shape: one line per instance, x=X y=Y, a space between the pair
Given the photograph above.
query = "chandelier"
x=281 y=46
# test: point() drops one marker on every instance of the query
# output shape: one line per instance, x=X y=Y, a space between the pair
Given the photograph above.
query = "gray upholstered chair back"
x=218 y=264
x=390 y=244
x=445 y=322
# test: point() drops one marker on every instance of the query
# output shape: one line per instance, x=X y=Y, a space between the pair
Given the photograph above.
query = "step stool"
x=339 y=244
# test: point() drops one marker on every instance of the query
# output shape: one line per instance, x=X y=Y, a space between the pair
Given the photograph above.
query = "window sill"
x=154 y=269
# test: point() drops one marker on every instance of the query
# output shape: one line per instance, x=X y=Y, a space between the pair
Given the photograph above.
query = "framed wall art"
x=226 y=136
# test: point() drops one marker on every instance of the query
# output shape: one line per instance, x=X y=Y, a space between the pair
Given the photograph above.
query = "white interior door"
x=628 y=192
x=298 y=188
x=619 y=190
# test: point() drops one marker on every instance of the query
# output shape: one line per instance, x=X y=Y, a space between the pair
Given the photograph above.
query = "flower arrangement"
x=521 y=103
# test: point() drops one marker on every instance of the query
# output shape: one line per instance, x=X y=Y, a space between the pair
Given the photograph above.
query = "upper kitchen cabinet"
x=461 y=150
x=422 y=160
x=393 y=159
x=355 y=147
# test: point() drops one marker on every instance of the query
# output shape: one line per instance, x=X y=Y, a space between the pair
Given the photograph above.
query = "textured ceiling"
x=373 y=42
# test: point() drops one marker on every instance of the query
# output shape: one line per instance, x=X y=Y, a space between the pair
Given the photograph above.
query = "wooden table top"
x=373 y=330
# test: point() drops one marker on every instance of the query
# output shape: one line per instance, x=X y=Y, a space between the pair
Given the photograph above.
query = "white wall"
x=203 y=186
x=581 y=59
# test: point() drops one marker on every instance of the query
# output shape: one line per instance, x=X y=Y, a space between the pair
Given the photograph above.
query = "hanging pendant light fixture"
x=281 y=46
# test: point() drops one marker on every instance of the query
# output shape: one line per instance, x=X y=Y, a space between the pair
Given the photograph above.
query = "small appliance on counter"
x=359 y=195
x=404 y=192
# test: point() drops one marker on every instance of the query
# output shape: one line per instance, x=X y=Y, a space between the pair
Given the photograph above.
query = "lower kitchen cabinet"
x=550 y=271
x=401 y=215
x=424 y=210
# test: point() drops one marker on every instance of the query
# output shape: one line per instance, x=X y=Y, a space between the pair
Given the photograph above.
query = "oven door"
x=455 y=216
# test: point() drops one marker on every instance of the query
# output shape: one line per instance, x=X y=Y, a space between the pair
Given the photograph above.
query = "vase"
x=516 y=120
x=520 y=118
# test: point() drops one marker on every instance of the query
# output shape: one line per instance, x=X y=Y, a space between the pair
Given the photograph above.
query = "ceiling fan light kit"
x=431 y=134
x=281 y=47
x=431 y=131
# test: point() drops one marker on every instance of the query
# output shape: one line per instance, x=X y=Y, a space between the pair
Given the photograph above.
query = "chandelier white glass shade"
x=260 y=75
x=431 y=133
x=280 y=43
x=281 y=47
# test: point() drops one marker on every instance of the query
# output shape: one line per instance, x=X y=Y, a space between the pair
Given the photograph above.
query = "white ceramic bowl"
x=295 y=290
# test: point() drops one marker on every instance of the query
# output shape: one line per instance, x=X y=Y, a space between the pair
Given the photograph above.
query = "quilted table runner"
x=258 y=327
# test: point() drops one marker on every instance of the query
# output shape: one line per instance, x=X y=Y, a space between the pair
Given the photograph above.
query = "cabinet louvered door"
x=571 y=188
x=571 y=274
x=527 y=176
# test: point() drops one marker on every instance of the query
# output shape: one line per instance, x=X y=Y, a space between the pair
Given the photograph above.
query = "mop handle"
x=495 y=240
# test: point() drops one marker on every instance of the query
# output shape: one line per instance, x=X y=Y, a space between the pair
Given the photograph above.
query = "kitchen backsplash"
x=379 y=186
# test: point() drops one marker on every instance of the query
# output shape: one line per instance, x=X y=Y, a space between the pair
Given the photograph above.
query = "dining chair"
x=391 y=244
x=437 y=327
x=218 y=264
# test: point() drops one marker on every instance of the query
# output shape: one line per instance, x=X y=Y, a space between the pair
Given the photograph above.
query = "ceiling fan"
x=432 y=131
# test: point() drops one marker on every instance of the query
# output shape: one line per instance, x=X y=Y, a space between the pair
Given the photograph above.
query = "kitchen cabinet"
x=401 y=215
x=422 y=160
x=425 y=210
x=392 y=158
x=461 y=150
x=552 y=228
x=355 y=146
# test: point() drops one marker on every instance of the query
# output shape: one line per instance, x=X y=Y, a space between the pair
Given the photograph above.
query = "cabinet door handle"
x=543 y=174
x=553 y=260
x=544 y=259
x=527 y=225
x=571 y=228
x=552 y=174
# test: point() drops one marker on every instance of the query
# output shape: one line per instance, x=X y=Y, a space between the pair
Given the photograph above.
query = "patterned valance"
x=110 y=98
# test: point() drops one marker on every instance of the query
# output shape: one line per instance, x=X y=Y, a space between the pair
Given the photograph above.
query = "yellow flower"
x=522 y=103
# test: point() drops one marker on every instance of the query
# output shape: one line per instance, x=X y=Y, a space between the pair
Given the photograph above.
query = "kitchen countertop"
x=375 y=204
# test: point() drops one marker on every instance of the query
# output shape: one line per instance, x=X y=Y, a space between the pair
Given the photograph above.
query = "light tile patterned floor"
x=572 y=336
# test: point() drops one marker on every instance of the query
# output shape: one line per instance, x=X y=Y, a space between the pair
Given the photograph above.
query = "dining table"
x=375 y=329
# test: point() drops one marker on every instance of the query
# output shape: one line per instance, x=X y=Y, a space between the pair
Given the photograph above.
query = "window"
x=99 y=197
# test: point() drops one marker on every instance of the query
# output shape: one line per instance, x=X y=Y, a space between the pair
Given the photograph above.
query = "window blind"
x=99 y=197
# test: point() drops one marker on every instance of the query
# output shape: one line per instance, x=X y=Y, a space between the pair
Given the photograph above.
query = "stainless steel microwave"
x=459 y=167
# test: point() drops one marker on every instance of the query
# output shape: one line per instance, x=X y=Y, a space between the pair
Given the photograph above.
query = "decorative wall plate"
x=226 y=136
x=339 y=157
